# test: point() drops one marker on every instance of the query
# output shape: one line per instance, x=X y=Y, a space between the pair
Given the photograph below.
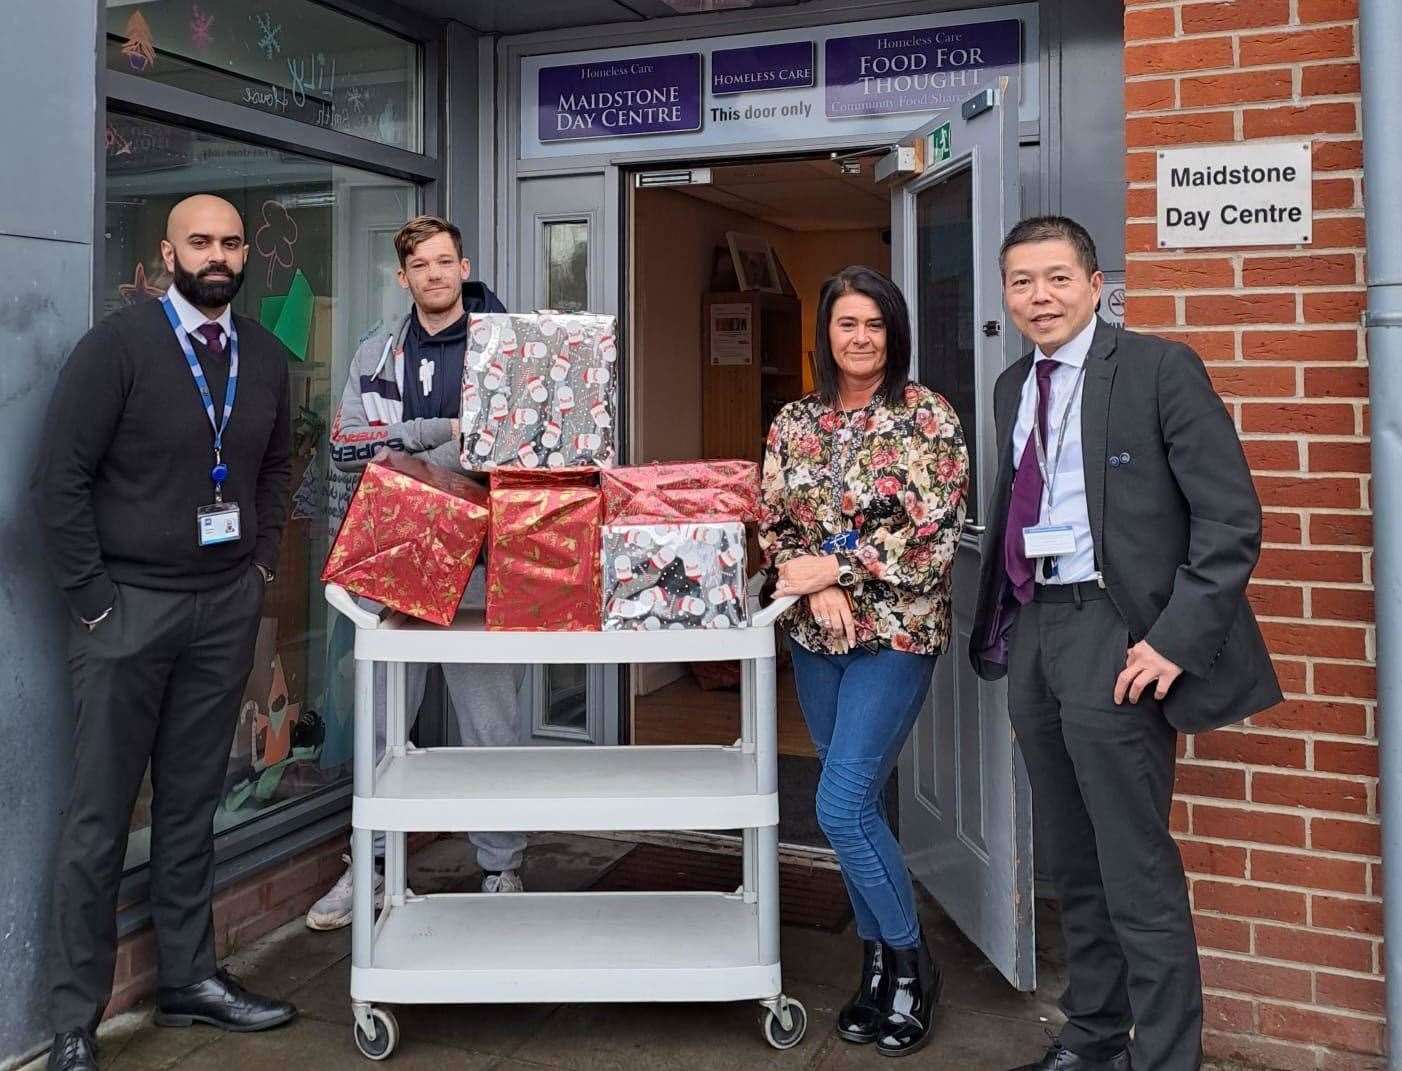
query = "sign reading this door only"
x=1239 y=194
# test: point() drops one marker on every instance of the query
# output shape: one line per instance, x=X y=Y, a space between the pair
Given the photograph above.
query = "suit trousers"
x=1102 y=787
x=158 y=681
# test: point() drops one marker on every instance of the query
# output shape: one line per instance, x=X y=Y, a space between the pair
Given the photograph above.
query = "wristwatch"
x=846 y=575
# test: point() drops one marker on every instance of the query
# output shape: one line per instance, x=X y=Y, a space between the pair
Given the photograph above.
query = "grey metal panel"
x=515 y=16
x=44 y=308
x=462 y=143
x=50 y=101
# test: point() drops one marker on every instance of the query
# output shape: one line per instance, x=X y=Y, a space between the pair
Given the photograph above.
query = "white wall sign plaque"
x=1247 y=193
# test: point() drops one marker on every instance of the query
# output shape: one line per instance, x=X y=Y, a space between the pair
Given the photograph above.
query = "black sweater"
x=125 y=462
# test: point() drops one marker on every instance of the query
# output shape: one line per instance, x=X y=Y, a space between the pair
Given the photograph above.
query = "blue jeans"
x=860 y=707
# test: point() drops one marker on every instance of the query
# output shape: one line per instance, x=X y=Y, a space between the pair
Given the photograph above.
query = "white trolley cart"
x=563 y=947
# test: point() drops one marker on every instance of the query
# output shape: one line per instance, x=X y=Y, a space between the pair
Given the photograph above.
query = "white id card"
x=218 y=523
x=1049 y=541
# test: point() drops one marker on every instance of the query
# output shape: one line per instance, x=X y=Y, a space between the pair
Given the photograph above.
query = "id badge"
x=218 y=523
x=846 y=541
x=1049 y=540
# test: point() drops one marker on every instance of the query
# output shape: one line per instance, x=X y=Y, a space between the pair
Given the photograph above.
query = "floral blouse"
x=897 y=475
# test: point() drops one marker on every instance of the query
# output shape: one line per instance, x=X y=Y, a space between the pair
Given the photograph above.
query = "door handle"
x=975 y=529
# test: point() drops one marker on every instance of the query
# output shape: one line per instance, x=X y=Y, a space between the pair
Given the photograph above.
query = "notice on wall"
x=1112 y=299
x=1253 y=193
x=650 y=95
x=762 y=69
x=732 y=334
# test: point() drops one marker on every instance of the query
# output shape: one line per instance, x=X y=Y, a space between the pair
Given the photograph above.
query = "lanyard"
x=1049 y=476
x=220 y=472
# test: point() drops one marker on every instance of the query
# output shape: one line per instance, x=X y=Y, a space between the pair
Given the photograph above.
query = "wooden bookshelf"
x=749 y=372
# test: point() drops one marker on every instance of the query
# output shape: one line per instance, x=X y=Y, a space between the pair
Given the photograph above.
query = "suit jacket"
x=1175 y=521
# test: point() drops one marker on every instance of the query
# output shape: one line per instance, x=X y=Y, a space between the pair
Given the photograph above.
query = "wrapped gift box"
x=539 y=391
x=674 y=576
x=410 y=538
x=543 y=560
x=686 y=492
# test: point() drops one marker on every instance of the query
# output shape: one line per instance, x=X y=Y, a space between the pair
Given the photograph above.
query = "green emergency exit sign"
x=939 y=143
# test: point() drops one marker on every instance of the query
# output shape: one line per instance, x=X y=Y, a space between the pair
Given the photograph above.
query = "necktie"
x=213 y=336
x=1025 y=506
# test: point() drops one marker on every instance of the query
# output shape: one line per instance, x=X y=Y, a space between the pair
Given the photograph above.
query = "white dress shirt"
x=1069 y=504
x=192 y=319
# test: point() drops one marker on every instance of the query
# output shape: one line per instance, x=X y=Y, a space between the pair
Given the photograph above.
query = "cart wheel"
x=386 y=1036
x=774 y=1031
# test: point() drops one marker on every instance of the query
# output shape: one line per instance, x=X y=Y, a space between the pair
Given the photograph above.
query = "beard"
x=205 y=293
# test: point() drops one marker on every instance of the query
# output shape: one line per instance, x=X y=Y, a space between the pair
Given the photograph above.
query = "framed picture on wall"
x=755 y=268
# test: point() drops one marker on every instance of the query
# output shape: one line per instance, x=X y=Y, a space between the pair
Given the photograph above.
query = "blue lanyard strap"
x=220 y=471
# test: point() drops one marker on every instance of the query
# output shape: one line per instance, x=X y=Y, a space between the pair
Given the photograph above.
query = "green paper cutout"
x=289 y=316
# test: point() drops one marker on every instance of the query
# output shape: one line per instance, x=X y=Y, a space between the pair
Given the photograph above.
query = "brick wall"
x=1277 y=819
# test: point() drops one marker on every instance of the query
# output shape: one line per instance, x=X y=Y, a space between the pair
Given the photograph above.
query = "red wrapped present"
x=690 y=492
x=410 y=538
x=543 y=562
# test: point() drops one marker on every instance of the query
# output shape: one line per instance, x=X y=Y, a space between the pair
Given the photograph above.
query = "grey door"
x=965 y=805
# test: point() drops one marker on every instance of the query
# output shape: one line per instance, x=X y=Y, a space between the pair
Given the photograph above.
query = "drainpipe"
x=1380 y=38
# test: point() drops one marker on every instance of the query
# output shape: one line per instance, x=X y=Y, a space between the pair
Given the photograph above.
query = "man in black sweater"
x=162 y=491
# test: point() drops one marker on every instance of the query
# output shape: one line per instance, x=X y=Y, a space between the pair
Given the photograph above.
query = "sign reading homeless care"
x=624 y=98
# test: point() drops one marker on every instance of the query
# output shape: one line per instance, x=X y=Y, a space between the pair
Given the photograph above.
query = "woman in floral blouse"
x=863 y=492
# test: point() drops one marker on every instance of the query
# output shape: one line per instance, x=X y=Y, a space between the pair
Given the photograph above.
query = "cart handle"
x=341 y=600
x=767 y=616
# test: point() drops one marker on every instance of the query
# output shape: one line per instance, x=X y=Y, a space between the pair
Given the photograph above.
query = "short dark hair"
x=859 y=279
x=1051 y=229
x=419 y=230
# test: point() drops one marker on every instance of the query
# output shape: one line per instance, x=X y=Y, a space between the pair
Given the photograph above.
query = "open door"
x=965 y=803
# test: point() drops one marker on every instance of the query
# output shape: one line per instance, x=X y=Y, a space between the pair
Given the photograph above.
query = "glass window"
x=292 y=58
x=567 y=267
x=567 y=698
x=320 y=274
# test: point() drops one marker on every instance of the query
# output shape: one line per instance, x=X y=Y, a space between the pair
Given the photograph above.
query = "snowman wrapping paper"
x=674 y=576
x=539 y=390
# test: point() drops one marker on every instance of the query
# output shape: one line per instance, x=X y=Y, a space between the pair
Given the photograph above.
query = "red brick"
x=1299 y=418
x=1317 y=1027
x=1144 y=166
x=1239 y=380
x=1209 y=90
x=1298 y=46
x=1343 y=306
x=1315 y=793
x=1209 y=345
x=1353 y=916
x=1326 y=641
x=1328 y=10
x=1308 y=119
x=1317 y=949
x=1291 y=674
x=1149 y=311
x=1334 y=193
x=1234 y=15
x=1345 y=382
x=1141 y=25
x=1149 y=96
x=1330 y=79
x=1277 y=527
x=1202 y=54
x=1334 y=756
x=1216 y=781
x=1276 y=600
x=1141 y=237
x=1179 y=128
x=1327 y=345
x=1250 y=749
x=1229 y=935
x=1279 y=563
x=1209 y=857
x=1256 y=826
x=1178 y=817
x=1341 y=529
x=1356 y=682
x=1186 y=273
x=1249 y=1050
x=1340 y=457
x=1314 y=716
x=1249 y=901
x=1309 y=871
x=1230 y=309
x=1335 y=232
x=1335 y=156
x=1341 y=604
x=1355 y=994
x=1351 y=1061
x=1141 y=202
x=1221 y=1012
x=1270 y=455
x=1333 y=269
x=1343 y=835
x=1257 y=979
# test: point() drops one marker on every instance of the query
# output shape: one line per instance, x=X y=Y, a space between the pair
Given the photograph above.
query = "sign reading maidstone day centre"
x=1253 y=193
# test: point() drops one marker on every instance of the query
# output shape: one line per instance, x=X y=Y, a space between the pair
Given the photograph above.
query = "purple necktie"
x=213 y=336
x=1025 y=506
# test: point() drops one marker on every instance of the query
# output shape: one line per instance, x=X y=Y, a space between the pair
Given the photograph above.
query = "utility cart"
x=563 y=947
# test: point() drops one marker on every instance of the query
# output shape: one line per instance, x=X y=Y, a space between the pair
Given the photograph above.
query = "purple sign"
x=765 y=67
x=915 y=70
x=620 y=98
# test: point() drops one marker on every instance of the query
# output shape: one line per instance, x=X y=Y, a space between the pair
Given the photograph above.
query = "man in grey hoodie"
x=403 y=392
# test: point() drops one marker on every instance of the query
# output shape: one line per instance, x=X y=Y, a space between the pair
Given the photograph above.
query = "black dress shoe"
x=908 y=1012
x=221 y=1001
x=859 y=1019
x=73 y=1051
x=1059 y=1059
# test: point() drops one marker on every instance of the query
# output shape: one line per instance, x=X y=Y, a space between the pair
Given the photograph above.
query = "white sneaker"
x=333 y=911
x=506 y=881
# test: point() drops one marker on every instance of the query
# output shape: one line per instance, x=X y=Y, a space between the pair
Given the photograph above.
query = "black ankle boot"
x=859 y=1020
x=908 y=1012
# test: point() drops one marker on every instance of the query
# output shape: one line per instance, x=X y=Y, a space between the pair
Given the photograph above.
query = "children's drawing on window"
x=139 y=289
x=201 y=28
x=269 y=35
x=140 y=49
x=276 y=238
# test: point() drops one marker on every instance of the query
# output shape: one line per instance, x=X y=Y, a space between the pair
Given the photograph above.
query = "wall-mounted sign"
x=620 y=99
x=941 y=144
x=918 y=70
x=1251 y=193
x=763 y=69
x=1112 y=299
x=732 y=334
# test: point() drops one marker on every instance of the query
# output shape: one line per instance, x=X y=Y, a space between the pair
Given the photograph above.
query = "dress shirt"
x=1069 y=503
x=192 y=319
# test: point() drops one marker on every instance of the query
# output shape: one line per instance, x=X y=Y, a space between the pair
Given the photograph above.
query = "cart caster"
x=776 y=1033
x=382 y=1045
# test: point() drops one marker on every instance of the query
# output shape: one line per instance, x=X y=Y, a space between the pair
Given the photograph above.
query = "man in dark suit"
x=1123 y=529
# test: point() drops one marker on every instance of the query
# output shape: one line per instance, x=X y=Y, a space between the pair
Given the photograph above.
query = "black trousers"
x=160 y=680
x=1102 y=786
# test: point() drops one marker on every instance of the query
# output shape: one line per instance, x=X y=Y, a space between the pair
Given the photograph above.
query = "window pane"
x=320 y=273
x=292 y=58
x=567 y=273
x=567 y=697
